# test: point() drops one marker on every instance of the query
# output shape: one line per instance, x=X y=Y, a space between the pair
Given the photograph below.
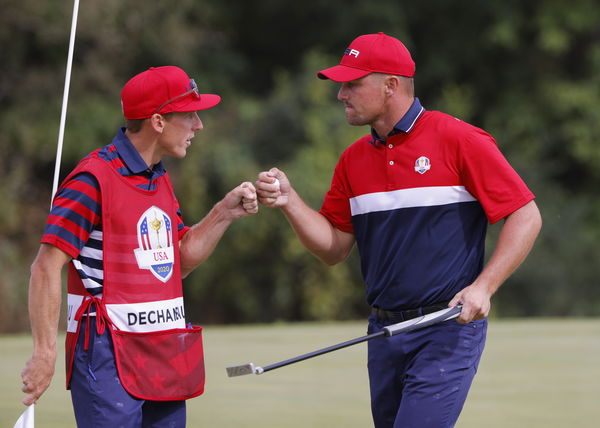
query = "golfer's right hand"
x=36 y=377
x=273 y=188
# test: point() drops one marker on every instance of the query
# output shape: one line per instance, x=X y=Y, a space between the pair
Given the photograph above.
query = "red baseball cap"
x=163 y=90
x=371 y=53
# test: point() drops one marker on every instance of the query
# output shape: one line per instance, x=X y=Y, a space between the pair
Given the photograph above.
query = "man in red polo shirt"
x=116 y=223
x=416 y=195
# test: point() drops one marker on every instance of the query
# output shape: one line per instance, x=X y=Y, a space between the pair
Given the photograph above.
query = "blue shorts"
x=98 y=398
x=421 y=379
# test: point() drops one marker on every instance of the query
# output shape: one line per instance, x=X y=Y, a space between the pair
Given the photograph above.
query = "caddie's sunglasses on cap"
x=193 y=89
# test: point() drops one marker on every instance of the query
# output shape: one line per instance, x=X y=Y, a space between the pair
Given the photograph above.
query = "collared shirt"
x=404 y=125
x=129 y=163
x=75 y=221
x=417 y=206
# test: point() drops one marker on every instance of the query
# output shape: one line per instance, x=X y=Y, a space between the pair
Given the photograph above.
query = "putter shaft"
x=392 y=330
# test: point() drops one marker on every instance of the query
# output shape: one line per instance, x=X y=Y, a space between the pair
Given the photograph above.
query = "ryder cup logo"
x=155 y=238
x=422 y=165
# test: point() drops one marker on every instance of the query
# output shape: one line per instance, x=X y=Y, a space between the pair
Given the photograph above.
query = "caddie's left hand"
x=241 y=201
x=475 y=301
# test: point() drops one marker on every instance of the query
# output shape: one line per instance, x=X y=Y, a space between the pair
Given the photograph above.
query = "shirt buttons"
x=391 y=162
x=391 y=146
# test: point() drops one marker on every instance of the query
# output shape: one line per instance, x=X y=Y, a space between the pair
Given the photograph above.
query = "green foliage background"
x=527 y=72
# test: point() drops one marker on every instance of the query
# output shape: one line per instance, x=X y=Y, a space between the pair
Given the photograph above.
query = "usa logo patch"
x=422 y=165
x=155 y=240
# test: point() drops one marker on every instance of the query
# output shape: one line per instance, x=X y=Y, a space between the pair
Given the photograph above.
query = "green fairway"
x=533 y=374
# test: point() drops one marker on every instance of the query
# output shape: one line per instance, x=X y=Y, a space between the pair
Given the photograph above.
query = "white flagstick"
x=27 y=418
x=63 y=115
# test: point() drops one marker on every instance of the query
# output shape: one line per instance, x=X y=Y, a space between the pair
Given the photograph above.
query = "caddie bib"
x=157 y=357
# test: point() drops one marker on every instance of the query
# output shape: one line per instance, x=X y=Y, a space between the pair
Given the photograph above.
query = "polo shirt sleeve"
x=489 y=177
x=76 y=211
x=182 y=229
x=336 y=206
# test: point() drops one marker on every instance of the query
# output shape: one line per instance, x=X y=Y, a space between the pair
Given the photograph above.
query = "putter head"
x=244 y=369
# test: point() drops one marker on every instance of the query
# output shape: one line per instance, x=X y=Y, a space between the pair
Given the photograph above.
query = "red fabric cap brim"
x=342 y=73
x=206 y=101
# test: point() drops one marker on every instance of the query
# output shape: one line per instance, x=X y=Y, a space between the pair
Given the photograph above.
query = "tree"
x=527 y=72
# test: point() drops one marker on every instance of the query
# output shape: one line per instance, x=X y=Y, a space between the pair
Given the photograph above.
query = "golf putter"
x=391 y=330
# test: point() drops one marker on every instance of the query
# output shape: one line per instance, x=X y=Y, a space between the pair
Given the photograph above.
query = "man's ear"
x=157 y=122
x=392 y=83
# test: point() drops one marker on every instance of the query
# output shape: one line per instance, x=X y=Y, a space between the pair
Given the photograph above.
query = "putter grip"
x=424 y=321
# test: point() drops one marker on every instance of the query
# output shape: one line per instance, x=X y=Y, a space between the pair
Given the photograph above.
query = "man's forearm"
x=514 y=244
x=44 y=312
x=200 y=241
x=316 y=233
x=45 y=297
x=515 y=241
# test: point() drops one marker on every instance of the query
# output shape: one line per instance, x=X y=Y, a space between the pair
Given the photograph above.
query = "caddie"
x=132 y=360
x=416 y=195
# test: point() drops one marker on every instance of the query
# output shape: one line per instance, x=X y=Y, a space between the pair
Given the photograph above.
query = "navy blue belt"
x=408 y=314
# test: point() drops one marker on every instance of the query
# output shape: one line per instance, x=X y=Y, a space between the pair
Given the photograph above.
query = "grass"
x=534 y=373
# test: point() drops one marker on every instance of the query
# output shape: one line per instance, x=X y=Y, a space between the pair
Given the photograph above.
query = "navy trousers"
x=421 y=379
x=100 y=401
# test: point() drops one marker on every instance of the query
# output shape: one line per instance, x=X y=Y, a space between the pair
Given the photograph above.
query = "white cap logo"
x=352 y=52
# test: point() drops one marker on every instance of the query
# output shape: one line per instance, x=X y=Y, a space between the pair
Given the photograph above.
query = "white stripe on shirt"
x=409 y=198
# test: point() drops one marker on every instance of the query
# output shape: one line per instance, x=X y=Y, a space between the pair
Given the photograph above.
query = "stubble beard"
x=357 y=120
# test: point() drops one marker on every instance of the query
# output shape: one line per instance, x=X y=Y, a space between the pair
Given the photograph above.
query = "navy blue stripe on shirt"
x=94 y=291
x=180 y=226
x=65 y=235
x=82 y=198
x=91 y=262
x=84 y=275
x=86 y=177
x=74 y=217
x=96 y=244
x=108 y=153
x=128 y=163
